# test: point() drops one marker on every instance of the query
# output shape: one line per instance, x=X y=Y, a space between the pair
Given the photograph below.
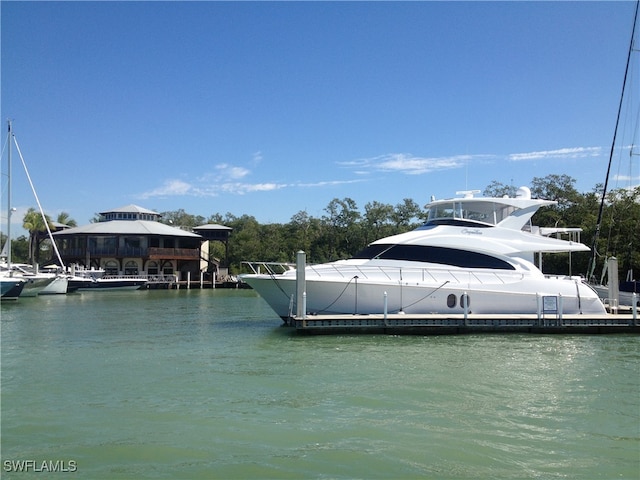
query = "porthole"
x=451 y=300
x=464 y=299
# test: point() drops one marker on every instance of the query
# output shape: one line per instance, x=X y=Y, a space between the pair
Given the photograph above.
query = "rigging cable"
x=33 y=189
x=592 y=262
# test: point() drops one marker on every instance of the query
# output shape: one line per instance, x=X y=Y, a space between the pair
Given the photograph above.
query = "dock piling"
x=301 y=261
x=386 y=308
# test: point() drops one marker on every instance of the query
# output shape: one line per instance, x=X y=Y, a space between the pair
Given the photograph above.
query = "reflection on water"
x=207 y=384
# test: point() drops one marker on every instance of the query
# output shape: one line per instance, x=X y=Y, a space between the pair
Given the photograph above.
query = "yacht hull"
x=515 y=294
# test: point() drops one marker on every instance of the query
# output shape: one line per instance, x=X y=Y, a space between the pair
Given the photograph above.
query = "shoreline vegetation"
x=345 y=229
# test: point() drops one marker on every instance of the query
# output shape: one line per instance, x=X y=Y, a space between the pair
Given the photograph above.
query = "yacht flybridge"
x=473 y=253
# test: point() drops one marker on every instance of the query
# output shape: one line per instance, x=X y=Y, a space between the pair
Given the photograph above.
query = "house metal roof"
x=131 y=208
x=128 y=227
x=212 y=226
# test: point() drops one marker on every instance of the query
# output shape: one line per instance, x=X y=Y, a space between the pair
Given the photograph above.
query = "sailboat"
x=10 y=286
x=34 y=281
x=613 y=292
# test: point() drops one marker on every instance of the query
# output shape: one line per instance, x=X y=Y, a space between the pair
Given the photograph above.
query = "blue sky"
x=269 y=109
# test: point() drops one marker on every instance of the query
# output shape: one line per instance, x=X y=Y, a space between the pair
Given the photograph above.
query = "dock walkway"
x=439 y=324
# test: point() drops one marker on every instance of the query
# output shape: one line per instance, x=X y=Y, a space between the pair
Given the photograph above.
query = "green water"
x=207 y=384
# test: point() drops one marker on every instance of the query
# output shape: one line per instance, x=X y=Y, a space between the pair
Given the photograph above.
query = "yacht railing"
x=270 y=268
x=390 y=273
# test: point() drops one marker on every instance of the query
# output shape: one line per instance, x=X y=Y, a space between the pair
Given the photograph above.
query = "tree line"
x=344 y=229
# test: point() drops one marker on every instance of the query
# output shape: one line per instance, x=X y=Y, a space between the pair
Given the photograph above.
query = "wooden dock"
x=440 y=324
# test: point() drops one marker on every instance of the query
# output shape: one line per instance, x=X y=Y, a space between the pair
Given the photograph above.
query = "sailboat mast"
x=592 y=262
x=9 y=209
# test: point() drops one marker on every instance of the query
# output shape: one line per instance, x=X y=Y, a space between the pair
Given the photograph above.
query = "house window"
x=152 y=268
x=111 y=267
x=131 y=268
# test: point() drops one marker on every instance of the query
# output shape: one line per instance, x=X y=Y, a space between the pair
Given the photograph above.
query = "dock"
x=454 y=324
x=186 y=285
x=549 y=319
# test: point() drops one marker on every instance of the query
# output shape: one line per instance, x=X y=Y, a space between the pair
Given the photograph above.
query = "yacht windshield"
x=428 y=254
x=490 y=213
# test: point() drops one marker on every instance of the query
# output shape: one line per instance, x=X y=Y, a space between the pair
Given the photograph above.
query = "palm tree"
x=63 y=218
x=34 y=224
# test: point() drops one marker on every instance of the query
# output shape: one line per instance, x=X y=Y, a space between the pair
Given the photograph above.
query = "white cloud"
x=573 y=152
x=242 y=188
x=170 y=188
x=329 y=183
x=224 y=178
x=408 y=164
x=229 y=171
x=256 y=158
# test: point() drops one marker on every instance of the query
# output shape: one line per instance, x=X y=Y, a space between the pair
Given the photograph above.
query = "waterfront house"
x=131 y=240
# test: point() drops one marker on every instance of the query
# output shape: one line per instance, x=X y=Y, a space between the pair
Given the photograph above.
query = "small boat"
x=11 y=288
x=472 y=254
x=36 y=282
x=109 y=283
x=85 y=279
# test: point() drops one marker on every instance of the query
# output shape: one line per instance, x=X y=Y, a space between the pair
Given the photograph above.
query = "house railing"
x=182 y=253
x=151 y=252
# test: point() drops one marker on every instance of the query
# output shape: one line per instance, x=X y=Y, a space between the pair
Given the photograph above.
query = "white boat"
x=474 y=254
x=84 y=279
x=11 y=288
x=34 y=281
x=116 y=282
x=617 y=294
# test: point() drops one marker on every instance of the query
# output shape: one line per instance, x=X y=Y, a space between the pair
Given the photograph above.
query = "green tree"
x=65 y=219
x=620 y=233
x=497 y=189
x=378 y=218
x=35 y=225
x=244 y=241
x=180 y=218
x=344 y=231
x=404 y=213
x=559 y=188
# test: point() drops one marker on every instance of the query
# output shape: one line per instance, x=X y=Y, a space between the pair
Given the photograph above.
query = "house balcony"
x=151 y=253
x=155 y=253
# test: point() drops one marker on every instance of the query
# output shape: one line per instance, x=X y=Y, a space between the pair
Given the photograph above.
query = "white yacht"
x=473 y=253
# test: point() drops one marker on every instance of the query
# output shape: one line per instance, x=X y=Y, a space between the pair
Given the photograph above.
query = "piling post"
x=188 y=280
x=614 y=287
x=304 y=306
x=301 y=288
x=560 y=307
x=634 y=308
x=386 y=307
x=465 y=302
x=539 y=308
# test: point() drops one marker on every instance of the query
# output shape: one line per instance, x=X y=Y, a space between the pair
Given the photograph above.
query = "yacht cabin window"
x=429 y=254
x=490 y=213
